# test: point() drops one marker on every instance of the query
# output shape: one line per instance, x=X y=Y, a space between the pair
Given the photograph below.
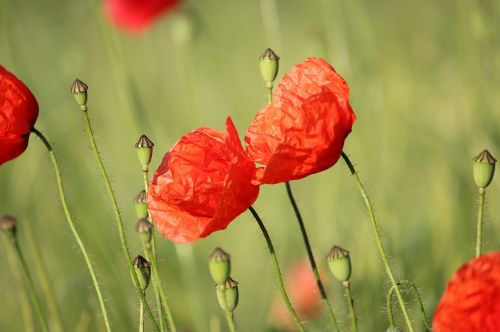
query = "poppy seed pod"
x=143 y=269
x=227 y=295
x=79 y=91
x=484 y=169
x=145 y=230
x=339 y=263
x=140 y=204
x=219 y=265
x=8 y=225
x=18 y=113
x=144 y=148
x=269 y=65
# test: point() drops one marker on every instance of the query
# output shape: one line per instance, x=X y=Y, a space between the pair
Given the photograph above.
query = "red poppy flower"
x=303 y=130
x=304 y=295
x=18 y=113
x=471 y=302
x=202 y=184
x=137 y=15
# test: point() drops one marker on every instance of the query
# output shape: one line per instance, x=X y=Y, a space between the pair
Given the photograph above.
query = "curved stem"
x=163 y=300
x=141 y=317
x=479 y=225
x=118 y=217
x=310 y=255
x=69 y=219
x=277 y=268
x=416 y=293
x=230 y=321
x=31 y=287
x=378 y=240
x=352 y=312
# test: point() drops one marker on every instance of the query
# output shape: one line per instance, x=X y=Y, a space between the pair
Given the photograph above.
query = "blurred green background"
x=424 y=78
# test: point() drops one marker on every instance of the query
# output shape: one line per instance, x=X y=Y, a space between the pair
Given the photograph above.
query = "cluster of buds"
x=269 y=65
x=226 y=287
x=483 y=169
x=8 y=225
x=339 y=263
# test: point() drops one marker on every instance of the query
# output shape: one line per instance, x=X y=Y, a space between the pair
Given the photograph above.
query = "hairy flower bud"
x=269 y=65
x=8 y=225
x=219 y=265
x=143 y=269
x=339 y=263
x=144 y=148
x=79 y=91
x=483 y=169
x=394 y=329
x=227 y=295
x=140 y=204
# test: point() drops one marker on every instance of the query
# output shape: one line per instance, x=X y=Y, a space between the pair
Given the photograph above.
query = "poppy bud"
x=339 y=263
x=144 y=148
x=394 y=329
x=8 y=225
x=144 y=229
x=143 y=269
x=219 y=265
x=269 y=65
x=141 y=207
x=79 y=91
x=227 y=295
x=484 y=169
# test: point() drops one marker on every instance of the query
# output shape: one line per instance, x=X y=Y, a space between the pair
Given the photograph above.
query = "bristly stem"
x=310 y=256
x=276 y=268
x=350 y=303
x=69 y=219
x=31 y=287
x=479 y=225
x=378 y=240
x=416 y=293
x=141 y=317
x=230 y=321
x=163 y=300
x=118 y=217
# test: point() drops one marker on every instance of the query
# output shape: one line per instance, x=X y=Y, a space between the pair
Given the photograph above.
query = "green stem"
x=31 y=287
x=479 y=225
x=416 y=293
x=118 y=217
x=378 y=240
x=277 y=268
x=310 y=255
x=153 y=258
x=230 y=321
x=141 y=317
x=270 y=94
x=350 y=302
x=69 y=219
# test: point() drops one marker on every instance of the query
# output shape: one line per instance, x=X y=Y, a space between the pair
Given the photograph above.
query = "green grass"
x=424 y=80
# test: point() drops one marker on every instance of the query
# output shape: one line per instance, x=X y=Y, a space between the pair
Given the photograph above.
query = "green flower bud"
x=144 y=148
x=227 y=295
x=145 y=230
x=79 y=91
x=483 y=169
x=143 y=269
x=339 y=263
x=269 y=65
x=219 y=265
x=140 y=204
x=394 y=329
x=8 y=225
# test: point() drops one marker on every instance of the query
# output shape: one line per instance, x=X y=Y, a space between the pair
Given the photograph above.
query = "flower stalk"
x=72 y=226
x=277 y=269
x=418 y=298
x=378 y=240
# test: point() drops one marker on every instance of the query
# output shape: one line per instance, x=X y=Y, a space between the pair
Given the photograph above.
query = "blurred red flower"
x=202 y=184
x=137 y=15
x=304 y=295
x=303 y=130
x=18 y=113
x=471 y=302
